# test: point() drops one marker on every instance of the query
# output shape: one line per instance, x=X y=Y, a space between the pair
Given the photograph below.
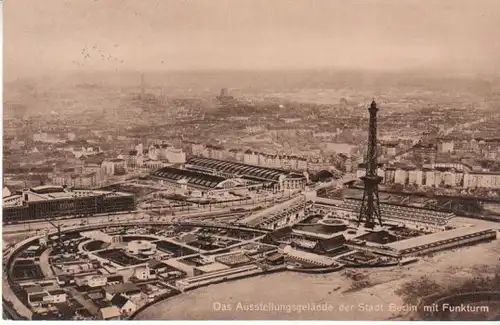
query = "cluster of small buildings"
x=84 y=180
x=106 y=301
x=96 y=170
x=428 y=150
x=89 y=172
x=155 y=156
x=84 y=286
x=487 y=148
x=39 y=297
x=452 y=174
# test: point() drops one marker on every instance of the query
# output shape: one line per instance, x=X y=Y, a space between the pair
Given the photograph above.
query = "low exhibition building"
x=56 y=201
x=279 y=179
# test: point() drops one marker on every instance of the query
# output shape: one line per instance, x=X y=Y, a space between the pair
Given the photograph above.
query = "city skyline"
x=190 y=159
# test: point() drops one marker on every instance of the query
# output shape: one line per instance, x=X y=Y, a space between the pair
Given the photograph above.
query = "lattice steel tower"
x=370 y=206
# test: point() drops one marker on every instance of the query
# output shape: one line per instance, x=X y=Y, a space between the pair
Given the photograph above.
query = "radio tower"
x=370 y=206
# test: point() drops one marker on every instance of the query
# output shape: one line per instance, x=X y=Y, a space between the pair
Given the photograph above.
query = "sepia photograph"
x=251 y=160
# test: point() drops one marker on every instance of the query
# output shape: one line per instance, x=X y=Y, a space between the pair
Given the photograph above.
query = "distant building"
x=87 y=180
x=185 y=180
x=85 y=150
x=445 y=146
x=401 y=176
x=154 y=164
x=390 y=150
x=114 y=167
x=224 y=95
x=47 y=138
x=425 y=152
x=415 y=177
x=482 y=180
x=55 y=201
x=449 y=178
x=278 y=179
x=166 y=152
x=134 y=159
x=459 y=166
x=430 y=178
x=250 y=157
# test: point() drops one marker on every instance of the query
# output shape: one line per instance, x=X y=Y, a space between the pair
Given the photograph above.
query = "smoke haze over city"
x=62 y=35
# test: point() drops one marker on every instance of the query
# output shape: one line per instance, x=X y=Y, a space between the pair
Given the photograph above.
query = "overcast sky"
x=51 y=35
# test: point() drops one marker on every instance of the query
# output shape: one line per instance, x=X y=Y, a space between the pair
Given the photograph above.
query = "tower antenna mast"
x=370 y=205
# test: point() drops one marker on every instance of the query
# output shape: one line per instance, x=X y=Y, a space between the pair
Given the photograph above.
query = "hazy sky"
x=49 y=35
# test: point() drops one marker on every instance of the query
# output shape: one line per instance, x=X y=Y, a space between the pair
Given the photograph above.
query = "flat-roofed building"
x=445 y=146
x=443 y=240
x=38 y=295
x=415 y=176
x=430 y=179
x=218 y=276
x=308 y=258
x=209 y=268
x=482 y=180
x=449 y=178
x=110 y=313
x=56 y=201
x=401 y=176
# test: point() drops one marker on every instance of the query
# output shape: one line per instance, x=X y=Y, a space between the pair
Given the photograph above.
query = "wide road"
x=37 y=227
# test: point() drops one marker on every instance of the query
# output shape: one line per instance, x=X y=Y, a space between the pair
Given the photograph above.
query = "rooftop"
x=49 y=192
x=110 y=312
x=192 y=177
x=244 y=170
x=122 y=288
x=34 y=289
x=119 y=300
x=435 y=237
x=310 y=257
x=155 y=264
x=213 y=267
